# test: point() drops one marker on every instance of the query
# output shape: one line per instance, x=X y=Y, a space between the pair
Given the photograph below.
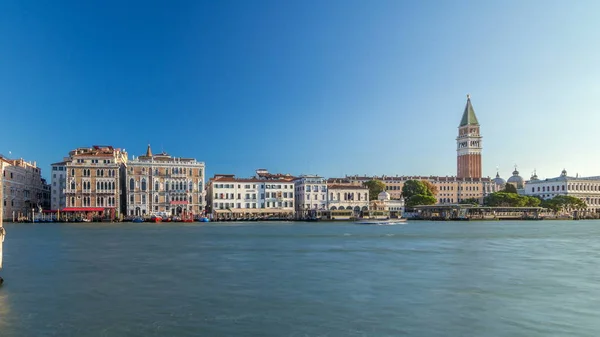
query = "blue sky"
x=328 y=87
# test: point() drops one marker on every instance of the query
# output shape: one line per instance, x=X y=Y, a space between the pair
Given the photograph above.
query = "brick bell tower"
x=468 y=145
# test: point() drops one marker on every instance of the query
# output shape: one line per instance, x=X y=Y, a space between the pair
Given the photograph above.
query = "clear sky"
x=328 y=87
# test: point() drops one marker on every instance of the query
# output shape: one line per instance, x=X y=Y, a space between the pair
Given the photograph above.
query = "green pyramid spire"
x=469 y=117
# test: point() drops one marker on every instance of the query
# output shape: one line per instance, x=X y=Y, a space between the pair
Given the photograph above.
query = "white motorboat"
x=380 y=221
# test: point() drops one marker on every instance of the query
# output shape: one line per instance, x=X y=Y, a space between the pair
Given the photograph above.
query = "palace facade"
x=164 y=185
x=585 y=188
x=94 y=182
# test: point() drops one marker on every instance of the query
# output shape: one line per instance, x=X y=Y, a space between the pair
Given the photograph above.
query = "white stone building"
x=58 y=181
x=310 y=195
x=263 y=196
x=584 y=188
x=23 y=188
x=348 y=197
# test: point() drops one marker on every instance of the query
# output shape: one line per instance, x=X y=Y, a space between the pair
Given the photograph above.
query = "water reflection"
x=4 y=309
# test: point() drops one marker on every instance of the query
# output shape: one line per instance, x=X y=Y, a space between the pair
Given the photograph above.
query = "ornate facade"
x=94 y=184
x=164 y=185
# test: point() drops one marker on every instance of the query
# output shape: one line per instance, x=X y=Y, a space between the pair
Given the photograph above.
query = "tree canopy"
x=506 y=199
x=375 y=187
x=416 y=192
x=420 y=199
x=431 y=187
x=509 y=188
x=471 y=201
x=564 y=203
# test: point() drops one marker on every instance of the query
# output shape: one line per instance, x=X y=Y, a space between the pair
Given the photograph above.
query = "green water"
x=538 y=278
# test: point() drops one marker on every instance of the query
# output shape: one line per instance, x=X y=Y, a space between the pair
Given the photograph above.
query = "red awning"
x=82 y=209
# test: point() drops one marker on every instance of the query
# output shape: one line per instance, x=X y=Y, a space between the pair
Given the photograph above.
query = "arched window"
x=73 y=172
x=131 y=200
x=156 y=199
x=113 y=185
x=191 y=186
x=156 y=186
x=72 y=185
x=131 y=184
x=143 y=184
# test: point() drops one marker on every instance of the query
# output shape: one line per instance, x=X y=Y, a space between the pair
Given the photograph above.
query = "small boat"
x=137 y=219
x=203 y=219
x=380 y=222
x=155 y=218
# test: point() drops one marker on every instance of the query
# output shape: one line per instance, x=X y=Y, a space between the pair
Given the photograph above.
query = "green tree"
x=431 y=187
x=565 y=202
x=504 y=199
x=420 y=199
x=509 y=188
x=532 y=201
x=471 y=201
x=375 y=187
x=414 y=187
x=416 y=192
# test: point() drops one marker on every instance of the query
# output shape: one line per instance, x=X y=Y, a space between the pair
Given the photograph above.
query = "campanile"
x=468 y=144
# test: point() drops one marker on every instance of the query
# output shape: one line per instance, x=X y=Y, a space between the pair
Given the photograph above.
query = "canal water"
x=537 y=278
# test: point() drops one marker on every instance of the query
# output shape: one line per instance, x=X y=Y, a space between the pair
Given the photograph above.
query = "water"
x=537 y=278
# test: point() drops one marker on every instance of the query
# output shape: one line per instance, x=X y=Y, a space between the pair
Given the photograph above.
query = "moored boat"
x=155 y=218
x=379 y=221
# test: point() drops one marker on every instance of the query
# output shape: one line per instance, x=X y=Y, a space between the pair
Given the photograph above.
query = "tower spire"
x=149 y=151
x=468 y=117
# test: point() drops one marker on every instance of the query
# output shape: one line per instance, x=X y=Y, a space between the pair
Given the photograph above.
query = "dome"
x=498 y=180
x=383 y=196
x=534 y=176
x=563 y=173
x=516 y=179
